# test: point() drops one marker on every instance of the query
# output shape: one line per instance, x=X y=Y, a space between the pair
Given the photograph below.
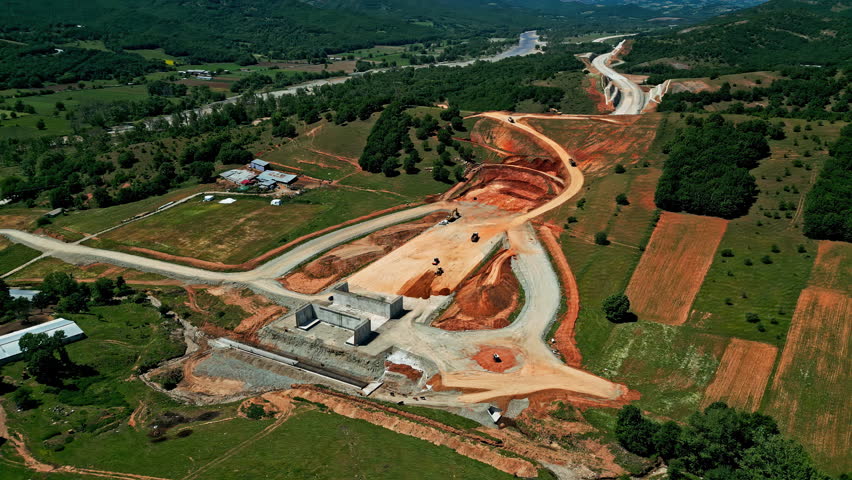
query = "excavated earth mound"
x=548 y=165
x=344 y=260
x=511 y=188
x=485 y=300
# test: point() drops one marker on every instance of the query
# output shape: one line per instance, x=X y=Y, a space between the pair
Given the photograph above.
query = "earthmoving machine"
x=475 y=237
x=573 y=163
x=497 y=358
x=439 y=272
x=454 y=215
x=511 y=120
x=436 y=261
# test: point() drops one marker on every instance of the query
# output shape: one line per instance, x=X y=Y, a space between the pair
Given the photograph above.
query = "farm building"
x=269 y=179
x=10 y=350
x=208 y=198
x=54 y=213
x=240 y=177
x=259 y=164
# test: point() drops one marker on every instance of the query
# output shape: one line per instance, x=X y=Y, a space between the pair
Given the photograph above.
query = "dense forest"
x=808 y=33
x=808 y=93
x=719 y=443
x=828 y=208
x=233 y=31
x=32 y=66
x=707 y=169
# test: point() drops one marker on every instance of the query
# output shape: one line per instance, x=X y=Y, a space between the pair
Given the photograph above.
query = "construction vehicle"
x=439 y=272
x=475 y=237
x=573 y=163
x=453 y=216
x=511 y=120
x=436 y=261
x=497 y=358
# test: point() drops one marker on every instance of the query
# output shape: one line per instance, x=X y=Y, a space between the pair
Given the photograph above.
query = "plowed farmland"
x=811 y=388
x=833 y=268
x=742 y=376
x=673 y=266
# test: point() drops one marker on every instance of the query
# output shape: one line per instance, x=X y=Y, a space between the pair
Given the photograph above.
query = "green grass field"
x=14 y=255
x=241 y=231
x=731 y=288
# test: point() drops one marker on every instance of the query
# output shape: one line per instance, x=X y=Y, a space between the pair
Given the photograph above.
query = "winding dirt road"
x=633 y=99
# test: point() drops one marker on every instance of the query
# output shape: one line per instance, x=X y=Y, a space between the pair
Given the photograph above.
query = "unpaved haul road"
x=633 y=99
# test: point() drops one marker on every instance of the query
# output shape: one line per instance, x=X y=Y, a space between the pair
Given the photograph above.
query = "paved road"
x=633 y=99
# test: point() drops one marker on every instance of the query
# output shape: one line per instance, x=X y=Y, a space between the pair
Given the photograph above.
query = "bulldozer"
x=439 y=272
x=475 y=237
x=454 y=215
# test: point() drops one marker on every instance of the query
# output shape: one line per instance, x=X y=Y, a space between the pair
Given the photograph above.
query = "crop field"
x=672 y=268
x=745 y=283
x=241 y=231
x=833 y=266
x=810 y=393
x=742 y=376
x=20 y=218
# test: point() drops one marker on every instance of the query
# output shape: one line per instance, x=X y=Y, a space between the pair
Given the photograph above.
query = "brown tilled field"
x=833 y=268
x=811 y=388
x=672 y=268
x=742 y=375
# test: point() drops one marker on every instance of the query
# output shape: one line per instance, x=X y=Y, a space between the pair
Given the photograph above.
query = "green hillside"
x=767 y=37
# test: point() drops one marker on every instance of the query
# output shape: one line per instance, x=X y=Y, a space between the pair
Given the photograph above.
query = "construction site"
x=449 y=304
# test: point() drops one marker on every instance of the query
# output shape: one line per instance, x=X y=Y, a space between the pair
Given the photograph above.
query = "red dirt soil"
x=672 y=269
x=598 y=143
x=421 y=287
x=491 y=132
x=509 y=188
x=255 y=262
x=486 y=299
x=407 y=370
x=817 y=358
x=741 y=378
x=598 y=97
x=485 y=358
x=566 y=343
x=344 y=260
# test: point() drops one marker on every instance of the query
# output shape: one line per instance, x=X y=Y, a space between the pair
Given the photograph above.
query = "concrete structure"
x=240 y=177
x=369 y=304
x=259 y=164
x=311 y=314
x=208 y=198
x=10 y=349
x=352 y=311
x=18 y=293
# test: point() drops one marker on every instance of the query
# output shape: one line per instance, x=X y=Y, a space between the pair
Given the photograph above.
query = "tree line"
x=707 y=169
x=828 y=206
x=720 y=443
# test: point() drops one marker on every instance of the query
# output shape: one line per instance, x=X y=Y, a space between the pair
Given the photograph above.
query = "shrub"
x=775 y=248
x=727 y=252
x=752 y=317
x=620 y=168
x=572 y=219
x=617 y=308
x=621 y=199
x=747 y=262
x=801 y=249
x=254 y=411
x=601 y=239
x=766 y=259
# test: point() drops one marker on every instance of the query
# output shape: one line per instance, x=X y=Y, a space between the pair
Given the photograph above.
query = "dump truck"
x=475 y=237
